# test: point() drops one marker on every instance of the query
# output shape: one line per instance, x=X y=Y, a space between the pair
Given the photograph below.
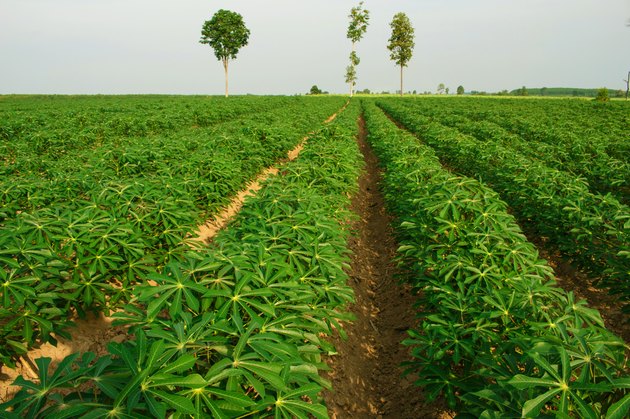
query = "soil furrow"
x=95 y=332
x=569 y=277
x=366 y=374
x=207 y=231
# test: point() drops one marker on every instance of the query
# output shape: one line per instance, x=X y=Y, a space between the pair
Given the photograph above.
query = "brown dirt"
x=207 y=231
x=90 y=335
x=570 y=278
x=366 y=374
x=94 y=333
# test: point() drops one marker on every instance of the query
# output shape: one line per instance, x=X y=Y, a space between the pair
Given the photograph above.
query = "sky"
x=152 y=46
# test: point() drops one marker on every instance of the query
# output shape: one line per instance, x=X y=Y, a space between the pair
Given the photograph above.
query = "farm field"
x=102 y=198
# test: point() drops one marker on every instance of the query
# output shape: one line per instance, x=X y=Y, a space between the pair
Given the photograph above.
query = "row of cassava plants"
x=51 y=122
x=236 y=329
x=497 y=338
x=604 y=174
x=585 y=125
x=87 y=239
x=592 y=229
x=199 y=156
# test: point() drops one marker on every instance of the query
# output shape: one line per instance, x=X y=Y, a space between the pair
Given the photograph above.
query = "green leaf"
x=232 y=397
x=532 y=407
x=620 y=409
x=181 y=364
x=188 y=381
x=522 y=382
x=266 y=371
x=317 y=410
x=179 y=403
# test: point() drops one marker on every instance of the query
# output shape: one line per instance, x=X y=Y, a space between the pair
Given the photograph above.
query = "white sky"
x=151 y=46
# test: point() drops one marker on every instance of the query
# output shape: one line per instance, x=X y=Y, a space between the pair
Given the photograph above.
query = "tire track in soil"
x=366 y=375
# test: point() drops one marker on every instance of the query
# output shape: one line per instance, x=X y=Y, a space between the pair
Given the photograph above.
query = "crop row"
x=41 y=119
x=587 y=124
x=591 y=228
x=551 y=142
x=497 y=338
x=603 y=173
x=80 y=243
x=235 y=329
x=42 y=164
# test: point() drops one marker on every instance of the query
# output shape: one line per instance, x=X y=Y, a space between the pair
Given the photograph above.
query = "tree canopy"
x=401 y=43
x=226 y=33
x=359 y=19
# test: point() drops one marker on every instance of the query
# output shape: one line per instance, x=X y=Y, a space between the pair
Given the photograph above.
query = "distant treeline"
x=562 y=91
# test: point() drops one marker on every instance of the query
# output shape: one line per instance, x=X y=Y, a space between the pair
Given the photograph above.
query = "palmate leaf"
x=174 y=287
x=270 y=372
x=33 y=396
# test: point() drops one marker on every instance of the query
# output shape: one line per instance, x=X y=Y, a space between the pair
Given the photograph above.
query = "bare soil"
x=95 y=332
x=366 y=374
x=206 y=232
x=91 y=334
x=570 y=278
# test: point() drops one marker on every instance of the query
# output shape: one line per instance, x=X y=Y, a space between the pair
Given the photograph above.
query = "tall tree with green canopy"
x=401 y=43
x=359 y=19
x=226 y=33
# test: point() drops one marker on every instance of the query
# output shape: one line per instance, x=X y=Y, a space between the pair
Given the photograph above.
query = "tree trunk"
x=225 y=67
x=352 y=81
x=627 y=85
x=401 y=80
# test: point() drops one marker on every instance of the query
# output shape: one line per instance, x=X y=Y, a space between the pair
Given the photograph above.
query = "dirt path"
x=95 y=332
x=366 y=373
x=207 y=231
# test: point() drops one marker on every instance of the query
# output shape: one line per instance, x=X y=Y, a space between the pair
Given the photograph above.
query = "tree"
x=460 y=90
x=440 y=88
x=226 y=33
x=401 y=43
x=359 y=19
x=627 y=84
x=315 y=90
x=602 y=95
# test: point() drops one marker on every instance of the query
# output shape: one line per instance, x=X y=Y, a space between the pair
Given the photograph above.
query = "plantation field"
x=101 y=200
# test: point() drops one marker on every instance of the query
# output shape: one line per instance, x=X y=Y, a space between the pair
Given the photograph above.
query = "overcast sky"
x=151 y=46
